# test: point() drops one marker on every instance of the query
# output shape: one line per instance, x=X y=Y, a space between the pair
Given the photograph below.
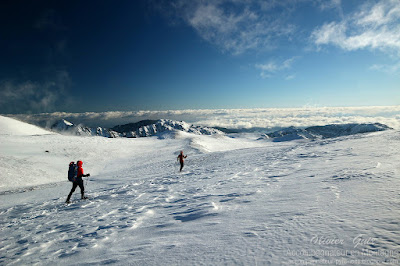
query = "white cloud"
x=290 y=77
x=31 y=96
x=331 y=4
x=236 y=118
x=272 y=67
x=390 y=69
x=375 y=27
x=236 y=26
x=382 y=13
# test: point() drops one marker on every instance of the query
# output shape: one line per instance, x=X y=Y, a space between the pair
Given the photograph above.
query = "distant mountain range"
x=147 y=128
x=327 y=131
x=65 y=127
x=144 y=128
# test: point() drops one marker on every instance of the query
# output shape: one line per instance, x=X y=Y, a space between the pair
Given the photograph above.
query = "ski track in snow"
x=254 y=206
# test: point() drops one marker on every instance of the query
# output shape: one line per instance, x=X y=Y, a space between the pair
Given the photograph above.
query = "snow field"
x=238 y=201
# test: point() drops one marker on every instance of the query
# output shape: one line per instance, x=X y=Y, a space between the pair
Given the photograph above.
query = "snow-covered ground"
x=240 y=200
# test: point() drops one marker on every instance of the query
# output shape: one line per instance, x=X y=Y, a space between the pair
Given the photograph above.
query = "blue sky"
x=79 y=56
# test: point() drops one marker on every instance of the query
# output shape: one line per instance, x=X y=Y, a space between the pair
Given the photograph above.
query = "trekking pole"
x=87 y=179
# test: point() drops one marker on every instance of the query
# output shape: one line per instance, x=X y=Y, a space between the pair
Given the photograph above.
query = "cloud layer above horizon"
x=270 y=118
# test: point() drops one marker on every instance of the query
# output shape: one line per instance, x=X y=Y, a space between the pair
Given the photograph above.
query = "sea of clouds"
x=267 y=118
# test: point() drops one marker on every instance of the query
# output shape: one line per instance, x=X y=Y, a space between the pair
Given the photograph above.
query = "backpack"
x=72 y=172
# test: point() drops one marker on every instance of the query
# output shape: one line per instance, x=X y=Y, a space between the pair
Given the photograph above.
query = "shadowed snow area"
x=327 y=131
x=238 y=200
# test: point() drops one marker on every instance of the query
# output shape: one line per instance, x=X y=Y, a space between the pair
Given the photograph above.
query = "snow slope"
x=9 y=126
x=238 y=201
x=29 y=156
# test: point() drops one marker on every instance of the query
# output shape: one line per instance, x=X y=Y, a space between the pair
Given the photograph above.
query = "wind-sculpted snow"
x=323 y=202
x=238 y=201
x=328 y=131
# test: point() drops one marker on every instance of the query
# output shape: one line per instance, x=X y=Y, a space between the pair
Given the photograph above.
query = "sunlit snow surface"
x=238 y=201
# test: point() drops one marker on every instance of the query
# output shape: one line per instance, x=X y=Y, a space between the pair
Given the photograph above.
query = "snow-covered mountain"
x=166 y=126
x=337 y=130
x=327 y=131
x=290 y=133
x=62 y=125
x=65 y=127
x=148 y=128
x=145 y=128
x=132 y=127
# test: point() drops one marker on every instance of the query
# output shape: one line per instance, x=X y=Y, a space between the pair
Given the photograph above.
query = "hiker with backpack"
x=75 y=174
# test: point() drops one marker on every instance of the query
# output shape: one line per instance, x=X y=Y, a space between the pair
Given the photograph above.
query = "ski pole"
x=87 y=179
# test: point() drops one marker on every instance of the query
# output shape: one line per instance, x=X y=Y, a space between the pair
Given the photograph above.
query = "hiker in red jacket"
x=78 y=182
x=181 y=158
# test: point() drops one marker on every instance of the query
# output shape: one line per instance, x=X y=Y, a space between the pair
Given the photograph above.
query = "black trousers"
x=78 y=182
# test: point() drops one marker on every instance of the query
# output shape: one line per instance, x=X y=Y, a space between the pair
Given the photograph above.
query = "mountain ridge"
x=144 y=128
x=323 y=132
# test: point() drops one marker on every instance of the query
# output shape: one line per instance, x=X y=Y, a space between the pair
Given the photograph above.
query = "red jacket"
x=181 y=157
x=80 y=169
